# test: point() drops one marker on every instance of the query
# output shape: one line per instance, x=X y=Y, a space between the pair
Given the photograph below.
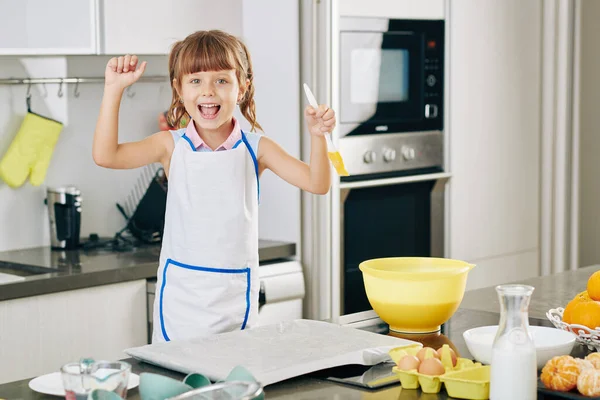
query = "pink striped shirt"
x=234 y=137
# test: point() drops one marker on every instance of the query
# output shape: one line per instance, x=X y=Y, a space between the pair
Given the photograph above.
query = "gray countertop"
x=44 y=271
x=478 y=309
x=551 y=291
x=315 y=386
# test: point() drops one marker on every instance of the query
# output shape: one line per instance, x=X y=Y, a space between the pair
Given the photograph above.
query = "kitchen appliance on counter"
x=280 y=298
x=64 y=213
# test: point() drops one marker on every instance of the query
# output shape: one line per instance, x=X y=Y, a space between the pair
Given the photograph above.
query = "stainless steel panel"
x=369 y=154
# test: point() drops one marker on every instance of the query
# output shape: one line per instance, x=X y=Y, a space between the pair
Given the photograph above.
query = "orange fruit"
x=560 y=373
x=586 y=313
x=568 y=312
x=588 y=382
x=594 y=358
x=593 y=286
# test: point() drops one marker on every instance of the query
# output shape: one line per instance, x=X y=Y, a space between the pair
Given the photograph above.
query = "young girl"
x=207 y=279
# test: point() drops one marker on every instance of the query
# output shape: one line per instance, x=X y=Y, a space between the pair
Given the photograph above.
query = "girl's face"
x=210 y=98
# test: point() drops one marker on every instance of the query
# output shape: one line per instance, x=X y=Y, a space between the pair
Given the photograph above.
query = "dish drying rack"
x=144 y=207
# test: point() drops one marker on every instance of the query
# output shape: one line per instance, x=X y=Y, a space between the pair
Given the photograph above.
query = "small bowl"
x=549 y=342
x=415 y=294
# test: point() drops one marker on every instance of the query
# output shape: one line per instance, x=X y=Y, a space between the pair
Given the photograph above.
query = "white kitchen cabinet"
x=30 y=27
x=506 y=268
x=38 y=334
x=401 y=9
x=152 y=26
x=66 y=27
x=494 y=134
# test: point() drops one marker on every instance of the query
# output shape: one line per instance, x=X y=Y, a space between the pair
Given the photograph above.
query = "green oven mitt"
x=30 y=152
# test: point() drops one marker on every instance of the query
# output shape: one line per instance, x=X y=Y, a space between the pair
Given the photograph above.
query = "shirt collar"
x=232 y=139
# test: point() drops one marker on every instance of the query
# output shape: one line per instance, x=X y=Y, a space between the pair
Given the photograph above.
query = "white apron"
x=207 y=279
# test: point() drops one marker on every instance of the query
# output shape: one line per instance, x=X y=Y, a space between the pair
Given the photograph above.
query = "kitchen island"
x=478 y=309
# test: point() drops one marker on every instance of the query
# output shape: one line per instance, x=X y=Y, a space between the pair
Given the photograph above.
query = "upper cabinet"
x=31 y=27
x=152 y=26
x=400 y=9
x=66 y=27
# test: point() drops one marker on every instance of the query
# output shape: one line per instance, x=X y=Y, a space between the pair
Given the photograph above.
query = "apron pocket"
x=196 y=301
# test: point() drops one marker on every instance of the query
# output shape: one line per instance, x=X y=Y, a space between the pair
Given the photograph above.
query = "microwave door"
x=381 y=76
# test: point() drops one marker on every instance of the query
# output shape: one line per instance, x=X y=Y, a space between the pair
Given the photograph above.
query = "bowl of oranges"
x=581 y=315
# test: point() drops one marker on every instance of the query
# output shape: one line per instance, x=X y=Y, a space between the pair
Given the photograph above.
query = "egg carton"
x=467 y=380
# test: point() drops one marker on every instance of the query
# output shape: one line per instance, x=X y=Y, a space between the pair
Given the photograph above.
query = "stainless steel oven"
x=391 y=136
x=391 y=75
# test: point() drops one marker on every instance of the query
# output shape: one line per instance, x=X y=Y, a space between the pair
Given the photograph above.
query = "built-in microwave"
x=391 y=75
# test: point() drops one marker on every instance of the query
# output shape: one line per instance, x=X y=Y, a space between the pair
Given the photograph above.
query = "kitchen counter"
x=470 y=314
x=315 y=386
x=551 y=291
x=40 y=270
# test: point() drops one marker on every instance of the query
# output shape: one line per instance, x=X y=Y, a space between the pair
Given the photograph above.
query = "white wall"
x=589 y=184
x=23 y=215
x=495 y=78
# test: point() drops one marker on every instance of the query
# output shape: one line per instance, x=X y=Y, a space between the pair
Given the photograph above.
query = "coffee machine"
x=64 y=212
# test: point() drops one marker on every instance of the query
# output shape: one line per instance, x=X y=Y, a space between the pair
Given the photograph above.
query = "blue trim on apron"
x=255 y=162
x=246 y=271
x=189 y=141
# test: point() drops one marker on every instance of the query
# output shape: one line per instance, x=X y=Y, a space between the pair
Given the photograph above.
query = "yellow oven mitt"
x=30 y=151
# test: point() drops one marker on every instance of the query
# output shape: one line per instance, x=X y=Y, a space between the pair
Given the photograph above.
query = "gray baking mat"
x=272 y=353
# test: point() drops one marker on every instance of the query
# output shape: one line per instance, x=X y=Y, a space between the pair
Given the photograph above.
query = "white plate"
x=549 y=342
x=52 y=383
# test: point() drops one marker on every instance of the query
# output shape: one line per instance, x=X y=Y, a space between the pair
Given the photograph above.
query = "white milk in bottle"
x=513 y=365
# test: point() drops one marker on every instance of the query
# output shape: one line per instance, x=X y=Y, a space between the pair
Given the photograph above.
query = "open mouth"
x=209 y=111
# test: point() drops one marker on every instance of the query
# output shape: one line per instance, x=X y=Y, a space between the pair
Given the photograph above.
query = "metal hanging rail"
x=33 y=81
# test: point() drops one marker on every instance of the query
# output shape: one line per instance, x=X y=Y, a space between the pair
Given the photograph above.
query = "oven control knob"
x=408 y=153
x=389 y=155
x=369 y=157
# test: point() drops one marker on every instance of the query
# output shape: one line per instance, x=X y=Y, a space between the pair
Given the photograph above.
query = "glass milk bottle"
x=513 y=365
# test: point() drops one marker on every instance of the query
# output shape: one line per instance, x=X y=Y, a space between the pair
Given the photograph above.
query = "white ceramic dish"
x=52 y=384
x=549 y=342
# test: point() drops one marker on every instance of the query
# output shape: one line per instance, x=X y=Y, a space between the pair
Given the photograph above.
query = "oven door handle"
x=443 y=177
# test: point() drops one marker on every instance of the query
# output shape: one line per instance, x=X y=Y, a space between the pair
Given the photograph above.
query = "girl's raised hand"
x=122 y=71
x=319 y=120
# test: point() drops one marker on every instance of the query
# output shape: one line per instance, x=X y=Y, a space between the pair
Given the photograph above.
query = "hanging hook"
x=76 y=92
x=60 y=90
x=130 y=93
x=28 y=97
x=45 y=95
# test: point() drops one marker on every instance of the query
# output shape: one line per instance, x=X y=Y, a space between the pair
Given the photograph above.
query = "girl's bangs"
x=206 y=54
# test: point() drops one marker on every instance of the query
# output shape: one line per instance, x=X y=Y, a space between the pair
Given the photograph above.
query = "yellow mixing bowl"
x=415 y=294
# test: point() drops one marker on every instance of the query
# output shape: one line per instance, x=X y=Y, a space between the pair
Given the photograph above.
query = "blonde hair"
x=212 y=50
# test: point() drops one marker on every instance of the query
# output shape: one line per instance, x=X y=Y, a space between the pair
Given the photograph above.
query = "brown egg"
x=452 y=354
x=408 y=362
x=427 y=350
x=431 y=366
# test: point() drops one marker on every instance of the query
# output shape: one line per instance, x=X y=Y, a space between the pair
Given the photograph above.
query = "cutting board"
x=272 y=353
